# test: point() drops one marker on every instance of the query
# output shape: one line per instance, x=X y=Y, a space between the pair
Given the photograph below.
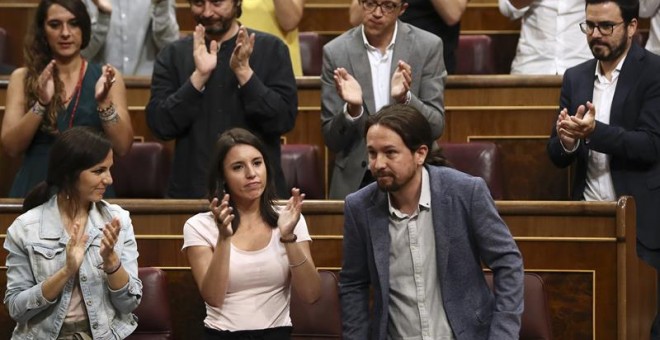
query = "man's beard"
x=614 y=51
x=212 y=27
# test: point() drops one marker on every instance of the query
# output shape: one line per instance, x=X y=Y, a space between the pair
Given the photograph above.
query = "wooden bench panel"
x=585 y=252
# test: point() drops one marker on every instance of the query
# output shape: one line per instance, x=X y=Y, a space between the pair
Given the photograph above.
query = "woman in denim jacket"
x=72 y=257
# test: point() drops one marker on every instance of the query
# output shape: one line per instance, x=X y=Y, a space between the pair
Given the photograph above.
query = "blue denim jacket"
x=36 y=246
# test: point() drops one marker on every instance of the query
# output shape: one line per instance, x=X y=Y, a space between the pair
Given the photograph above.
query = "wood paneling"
x=516 y=112
x=585 y=251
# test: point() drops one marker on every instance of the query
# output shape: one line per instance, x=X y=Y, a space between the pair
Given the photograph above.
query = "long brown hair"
x=217 y=181
x=37 y=54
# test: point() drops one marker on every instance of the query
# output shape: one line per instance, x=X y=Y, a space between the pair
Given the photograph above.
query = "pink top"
x=258 y=293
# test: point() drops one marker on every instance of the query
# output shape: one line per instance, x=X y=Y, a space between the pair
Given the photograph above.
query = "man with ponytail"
x=418 y=237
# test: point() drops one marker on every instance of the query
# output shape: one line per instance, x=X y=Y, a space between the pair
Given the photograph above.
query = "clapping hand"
x=222 y=214
x=566 y=138
x=584 y=120
x=110 y=237
x=46 y=84
x=104 y=84
x=348 y=89
x=75 y=248
x=579 y=126
x=401 y=81
x=240 y=57
x=290 y=214
x=205 y=59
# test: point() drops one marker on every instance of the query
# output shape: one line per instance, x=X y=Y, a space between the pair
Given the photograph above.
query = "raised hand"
x=580 y=125
x=401 y=81
x=348 y=89
x=240 y=57
x=104 y=84
x=222 y=214
x=104 y=6
x=567 y=138
x=107 y=251
x=290 y=215
x=75 y=248
x=585 y=121
x=46 y=84
x=206 y=59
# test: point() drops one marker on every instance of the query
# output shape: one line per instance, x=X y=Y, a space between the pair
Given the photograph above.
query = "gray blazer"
x=468 y=231
x=420 y=49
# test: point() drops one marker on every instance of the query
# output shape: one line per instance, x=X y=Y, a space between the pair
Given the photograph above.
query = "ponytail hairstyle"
x=413 y=129
x=74 y=150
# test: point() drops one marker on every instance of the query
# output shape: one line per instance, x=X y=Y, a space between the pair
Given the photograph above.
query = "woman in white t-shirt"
x=245 y=252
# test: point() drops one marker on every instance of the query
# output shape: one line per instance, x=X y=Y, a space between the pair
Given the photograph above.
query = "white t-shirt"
x=258 y=291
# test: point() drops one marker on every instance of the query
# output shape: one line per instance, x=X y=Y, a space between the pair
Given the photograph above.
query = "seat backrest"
x=480 y=159
x=300 y=165
x=322 y=319
x=154 y=320
x=3 y=40
x=535 y=324
x=143 y=172
x=474 y=55
x=311 y=53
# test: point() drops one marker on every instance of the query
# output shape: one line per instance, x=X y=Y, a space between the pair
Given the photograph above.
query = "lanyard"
x=77 y=92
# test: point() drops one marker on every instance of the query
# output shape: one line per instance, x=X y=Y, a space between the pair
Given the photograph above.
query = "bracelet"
x=289 y=240
x=298 y=264
x=38 y=109
x=114 y=270
x=109 y=114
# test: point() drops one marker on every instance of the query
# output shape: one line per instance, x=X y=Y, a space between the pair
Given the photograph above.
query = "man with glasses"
x=440 y=17
x=383 y=61
x=609 y=123
x=550 y=39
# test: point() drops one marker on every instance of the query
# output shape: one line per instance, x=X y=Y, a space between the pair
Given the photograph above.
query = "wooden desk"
x=585 y=252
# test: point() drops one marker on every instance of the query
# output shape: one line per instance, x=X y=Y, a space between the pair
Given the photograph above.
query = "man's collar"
x=389 y=46
x=424 y=197
x=599 y=73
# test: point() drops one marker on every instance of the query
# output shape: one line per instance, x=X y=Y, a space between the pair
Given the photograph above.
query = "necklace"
x=76 y=92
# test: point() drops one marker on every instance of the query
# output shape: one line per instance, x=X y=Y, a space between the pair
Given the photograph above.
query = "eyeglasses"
x=387 y=7
x=605 y=28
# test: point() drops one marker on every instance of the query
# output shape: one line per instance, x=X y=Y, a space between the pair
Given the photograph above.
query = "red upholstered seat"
x=475 y=55
x=536 y=323
x=321 y=319
x=154 y=320
x=3 y=40
x=143 y=172
x=480 y=159
x=301 y=169
x=311 y=53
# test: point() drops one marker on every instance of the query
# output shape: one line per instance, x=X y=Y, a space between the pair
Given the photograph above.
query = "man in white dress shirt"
x=128 y=34
x=608 y=124
x=550 y=38
x=382 y=61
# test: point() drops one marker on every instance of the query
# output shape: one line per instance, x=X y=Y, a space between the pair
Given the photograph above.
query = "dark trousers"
x=277 y=333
